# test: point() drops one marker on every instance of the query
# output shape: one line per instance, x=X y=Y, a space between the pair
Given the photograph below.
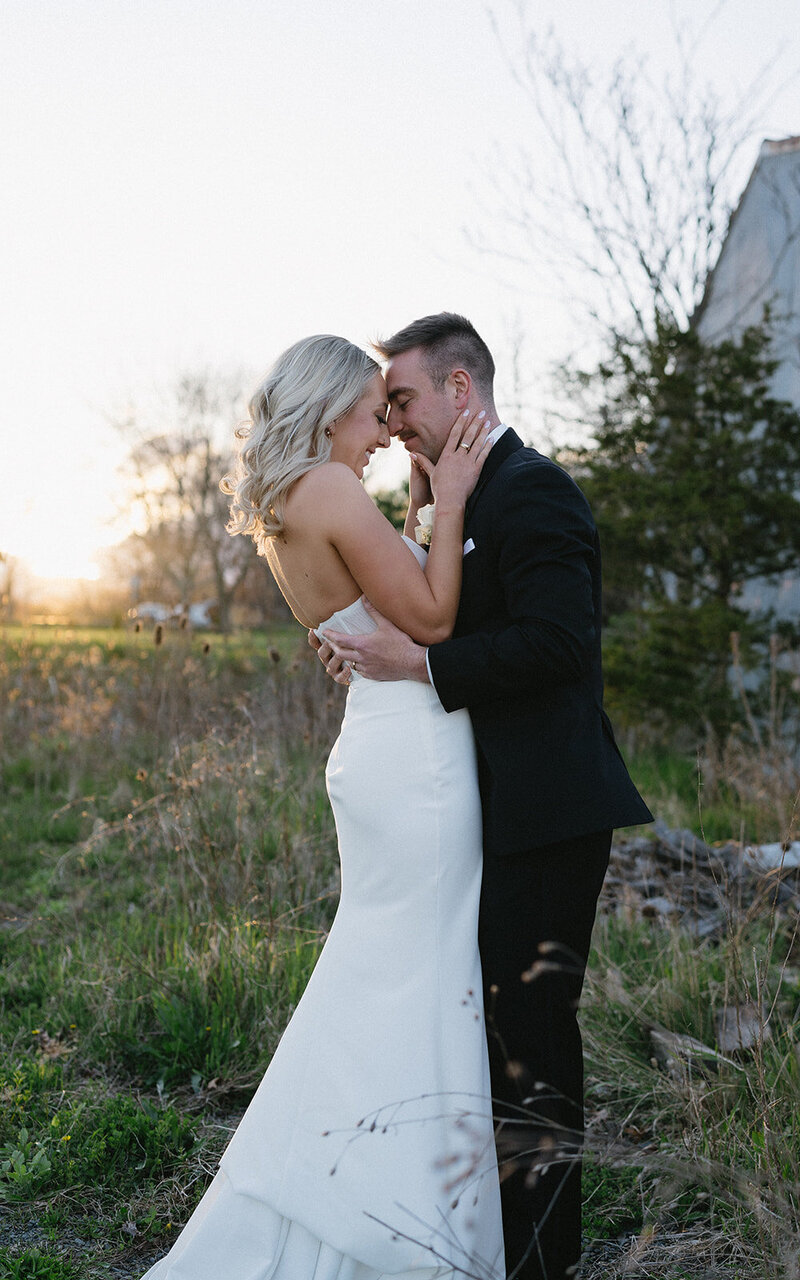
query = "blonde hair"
x=310 y=386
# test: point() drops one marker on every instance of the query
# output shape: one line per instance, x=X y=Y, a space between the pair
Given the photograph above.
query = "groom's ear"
x=459 y=385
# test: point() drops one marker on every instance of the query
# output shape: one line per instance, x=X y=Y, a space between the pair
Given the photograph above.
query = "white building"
x=760 y=263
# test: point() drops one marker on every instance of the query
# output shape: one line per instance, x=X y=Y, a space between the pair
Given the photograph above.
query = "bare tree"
x=8 y=586
x=173 y=470
x=623 y=184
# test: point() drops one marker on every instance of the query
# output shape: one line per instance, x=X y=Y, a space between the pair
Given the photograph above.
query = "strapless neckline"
x=353 y=619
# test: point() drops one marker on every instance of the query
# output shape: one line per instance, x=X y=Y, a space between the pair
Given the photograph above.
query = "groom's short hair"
x=448 y=342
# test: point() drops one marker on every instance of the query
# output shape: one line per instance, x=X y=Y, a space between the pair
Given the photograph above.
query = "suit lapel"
x=508 y=443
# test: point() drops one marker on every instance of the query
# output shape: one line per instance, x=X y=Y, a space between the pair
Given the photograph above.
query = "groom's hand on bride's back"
x=386 y=653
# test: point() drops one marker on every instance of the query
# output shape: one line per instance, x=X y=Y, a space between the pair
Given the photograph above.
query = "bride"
x=368 y=1149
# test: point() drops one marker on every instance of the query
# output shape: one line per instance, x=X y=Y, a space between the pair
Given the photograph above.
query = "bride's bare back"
x=309 y=569
x=336 y=545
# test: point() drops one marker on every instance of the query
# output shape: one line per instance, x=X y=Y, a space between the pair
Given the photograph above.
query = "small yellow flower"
x=36 y=1032
x=67 y=1137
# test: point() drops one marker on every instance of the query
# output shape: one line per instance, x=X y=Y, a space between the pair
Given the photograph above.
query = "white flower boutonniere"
x=424 y=528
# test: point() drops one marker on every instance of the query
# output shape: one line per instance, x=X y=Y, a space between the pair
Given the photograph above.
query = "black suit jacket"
x=525 y=659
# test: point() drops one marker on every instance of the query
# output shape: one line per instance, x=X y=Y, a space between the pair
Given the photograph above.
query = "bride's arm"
x=422 y=603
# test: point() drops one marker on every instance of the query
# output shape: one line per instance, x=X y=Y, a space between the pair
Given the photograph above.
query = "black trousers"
x=537 y=913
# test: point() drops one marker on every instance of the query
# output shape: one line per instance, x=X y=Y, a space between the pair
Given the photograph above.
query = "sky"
x=195 y=184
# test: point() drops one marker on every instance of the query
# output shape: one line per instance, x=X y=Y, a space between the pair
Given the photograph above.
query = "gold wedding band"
x=464 y=446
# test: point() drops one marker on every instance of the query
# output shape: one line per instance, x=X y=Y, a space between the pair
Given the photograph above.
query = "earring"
x=328 y=433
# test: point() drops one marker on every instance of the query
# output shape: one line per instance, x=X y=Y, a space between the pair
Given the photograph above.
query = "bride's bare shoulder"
x=328 y=473
x=327 y=485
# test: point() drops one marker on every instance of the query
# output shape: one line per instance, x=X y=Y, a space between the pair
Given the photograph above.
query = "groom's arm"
x=386 y=653
x=547 y=545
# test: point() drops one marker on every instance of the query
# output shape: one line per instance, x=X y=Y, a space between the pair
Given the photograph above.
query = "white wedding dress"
x=368 y=1149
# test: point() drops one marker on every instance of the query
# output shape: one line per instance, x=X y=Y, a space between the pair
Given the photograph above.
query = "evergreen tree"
x=694 y=478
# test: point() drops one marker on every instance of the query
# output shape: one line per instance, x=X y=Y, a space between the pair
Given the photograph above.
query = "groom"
x=524 y=659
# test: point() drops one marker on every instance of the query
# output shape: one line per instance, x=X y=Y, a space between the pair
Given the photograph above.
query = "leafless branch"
x=624 y=183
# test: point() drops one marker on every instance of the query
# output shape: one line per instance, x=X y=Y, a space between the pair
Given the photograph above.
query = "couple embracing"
x=422 y=1117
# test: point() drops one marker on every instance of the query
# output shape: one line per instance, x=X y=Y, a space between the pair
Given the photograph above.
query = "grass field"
x=168 y=874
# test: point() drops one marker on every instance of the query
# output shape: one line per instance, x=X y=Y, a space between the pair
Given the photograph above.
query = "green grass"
x=53 y=1137
x=33 y=1264
x=698 y=793
x=169 y=873
x=714 y=1145
x=612 y=1199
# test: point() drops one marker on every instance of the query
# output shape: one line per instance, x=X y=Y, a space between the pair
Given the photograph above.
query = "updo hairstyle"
x=310 y=386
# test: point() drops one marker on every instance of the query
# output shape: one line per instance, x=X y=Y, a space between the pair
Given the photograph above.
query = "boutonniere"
x=424 y=528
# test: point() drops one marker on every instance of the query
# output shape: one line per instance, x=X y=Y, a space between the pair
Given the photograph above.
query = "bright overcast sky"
x=198 y=183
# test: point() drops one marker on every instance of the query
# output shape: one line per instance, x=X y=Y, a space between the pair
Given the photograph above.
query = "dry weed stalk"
x=761 y=766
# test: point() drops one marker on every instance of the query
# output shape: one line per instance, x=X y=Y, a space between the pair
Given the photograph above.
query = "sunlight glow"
x=198 y=187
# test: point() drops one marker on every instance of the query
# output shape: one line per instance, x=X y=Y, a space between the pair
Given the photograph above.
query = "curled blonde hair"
x=310 y=386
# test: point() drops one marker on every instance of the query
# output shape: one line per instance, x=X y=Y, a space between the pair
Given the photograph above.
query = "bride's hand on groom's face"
x=461 y=460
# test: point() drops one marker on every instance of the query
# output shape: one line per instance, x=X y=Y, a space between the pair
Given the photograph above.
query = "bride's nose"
x=384 y=439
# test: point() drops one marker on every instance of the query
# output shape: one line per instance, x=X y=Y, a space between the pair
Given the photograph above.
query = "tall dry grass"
x=169 y=872
x=704 y=1147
